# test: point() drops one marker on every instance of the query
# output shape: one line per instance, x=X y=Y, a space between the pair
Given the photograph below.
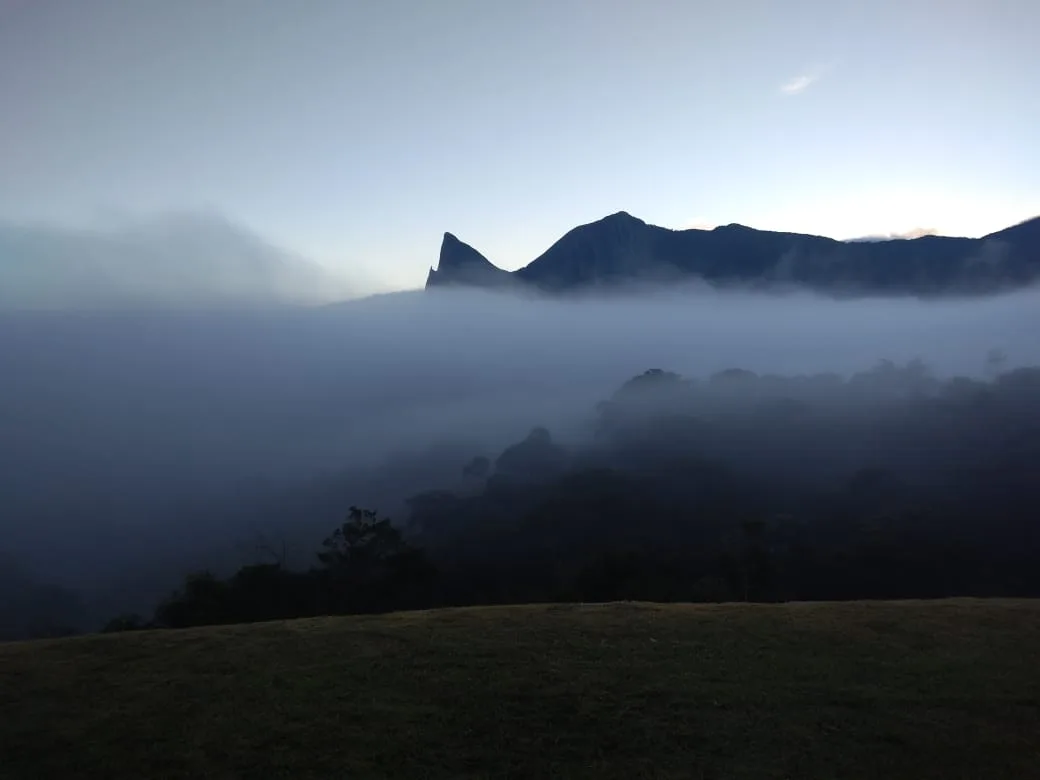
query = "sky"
x=356 y=133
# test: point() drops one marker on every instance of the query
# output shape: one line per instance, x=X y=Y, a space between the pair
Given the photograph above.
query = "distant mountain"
x=621 y=249
x=460 y=263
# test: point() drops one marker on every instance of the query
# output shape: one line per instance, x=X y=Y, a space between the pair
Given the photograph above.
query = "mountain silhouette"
x=621 y=249
x=461 y=264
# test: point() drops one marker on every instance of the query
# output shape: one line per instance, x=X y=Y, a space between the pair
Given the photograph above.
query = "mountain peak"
x=459 y=263
x=456 y=254
x=622 y=216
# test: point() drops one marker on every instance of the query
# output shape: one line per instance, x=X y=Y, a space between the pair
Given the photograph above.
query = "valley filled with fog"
x=136 y=446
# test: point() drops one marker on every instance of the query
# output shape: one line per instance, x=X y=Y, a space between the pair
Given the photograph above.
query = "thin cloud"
x=797 y=85
x=698 y=223
x=917 y=232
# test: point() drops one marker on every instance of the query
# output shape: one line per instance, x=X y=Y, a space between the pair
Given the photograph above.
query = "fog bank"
x=135 y=444
x=181 y=260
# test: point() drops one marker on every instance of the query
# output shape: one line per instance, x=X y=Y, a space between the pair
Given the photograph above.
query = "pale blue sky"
x=358 y=132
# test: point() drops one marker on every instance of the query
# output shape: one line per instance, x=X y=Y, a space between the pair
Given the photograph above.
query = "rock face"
x=461 y=264
x=621 y=249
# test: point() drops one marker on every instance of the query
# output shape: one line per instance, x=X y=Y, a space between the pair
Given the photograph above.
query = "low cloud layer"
x=136 y=443
x=178 y=261
x=917 y=232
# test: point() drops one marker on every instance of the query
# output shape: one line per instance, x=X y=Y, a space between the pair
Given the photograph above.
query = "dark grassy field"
x=917 y=690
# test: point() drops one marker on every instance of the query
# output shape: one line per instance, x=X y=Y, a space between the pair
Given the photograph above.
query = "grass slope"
x=917 y=690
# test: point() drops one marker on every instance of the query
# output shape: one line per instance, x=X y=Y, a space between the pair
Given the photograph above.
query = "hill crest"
x=620 y=249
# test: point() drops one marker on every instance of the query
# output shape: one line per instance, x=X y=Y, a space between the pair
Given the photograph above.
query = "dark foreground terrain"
x=867 y=690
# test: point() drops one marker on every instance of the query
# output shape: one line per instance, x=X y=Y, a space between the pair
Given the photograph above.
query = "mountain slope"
x=461 y=264
x=621 y=249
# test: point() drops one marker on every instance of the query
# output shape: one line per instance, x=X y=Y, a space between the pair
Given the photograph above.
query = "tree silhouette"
x=368 y=566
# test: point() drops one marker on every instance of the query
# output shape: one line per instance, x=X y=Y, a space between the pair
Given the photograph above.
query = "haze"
x=140 y=445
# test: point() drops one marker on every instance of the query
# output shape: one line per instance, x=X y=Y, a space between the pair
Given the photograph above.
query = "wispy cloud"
x=698 y=223
x=917 y=232
x=798 y=84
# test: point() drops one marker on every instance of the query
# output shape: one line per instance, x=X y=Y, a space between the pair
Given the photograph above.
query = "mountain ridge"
x=619 y=249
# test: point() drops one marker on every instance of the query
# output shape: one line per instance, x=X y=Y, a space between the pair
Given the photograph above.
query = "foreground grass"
x=945 y=689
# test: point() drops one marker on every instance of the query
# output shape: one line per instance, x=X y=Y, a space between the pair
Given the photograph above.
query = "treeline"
x=364 y=566
x=888 y=484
